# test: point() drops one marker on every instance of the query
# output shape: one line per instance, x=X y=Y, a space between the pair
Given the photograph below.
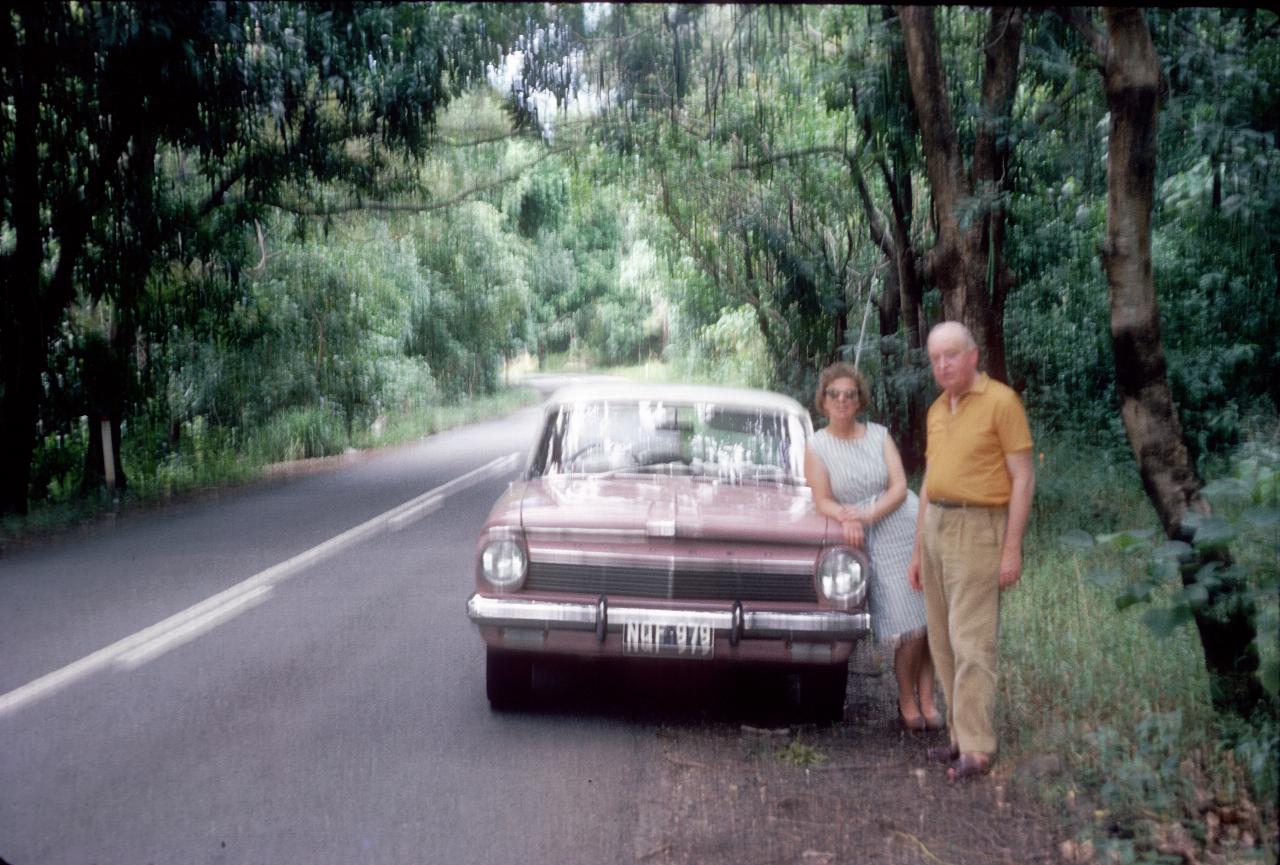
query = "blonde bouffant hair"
x=841 y=370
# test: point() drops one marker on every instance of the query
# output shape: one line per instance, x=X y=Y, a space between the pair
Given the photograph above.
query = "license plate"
x=679 y=641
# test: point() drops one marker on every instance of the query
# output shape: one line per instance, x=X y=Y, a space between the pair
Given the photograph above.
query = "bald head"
x=953 y=355
x=951 y=331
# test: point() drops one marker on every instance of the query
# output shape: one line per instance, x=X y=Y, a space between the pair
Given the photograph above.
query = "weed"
x=800 y=755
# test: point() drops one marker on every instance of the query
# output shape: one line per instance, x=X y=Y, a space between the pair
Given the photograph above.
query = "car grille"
x=675 y=583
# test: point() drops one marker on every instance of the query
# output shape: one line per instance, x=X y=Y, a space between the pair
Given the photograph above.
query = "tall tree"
x=967 y=261
x=1132 y=81
x=248 y=101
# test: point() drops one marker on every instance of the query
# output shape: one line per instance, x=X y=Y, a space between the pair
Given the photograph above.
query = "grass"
x=1125 y=713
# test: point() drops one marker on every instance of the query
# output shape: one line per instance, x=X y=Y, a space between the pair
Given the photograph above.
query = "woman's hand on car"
x=854 y=531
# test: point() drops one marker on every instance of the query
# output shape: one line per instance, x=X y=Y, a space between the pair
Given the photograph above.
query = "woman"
x=857 y=479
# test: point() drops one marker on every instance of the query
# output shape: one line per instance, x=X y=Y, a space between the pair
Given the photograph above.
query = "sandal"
x=967 y=766
x=912 y=725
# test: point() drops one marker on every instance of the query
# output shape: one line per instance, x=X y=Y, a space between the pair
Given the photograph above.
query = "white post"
x=108 y=459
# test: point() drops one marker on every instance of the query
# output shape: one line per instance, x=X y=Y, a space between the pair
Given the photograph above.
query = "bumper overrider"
x=733 y=623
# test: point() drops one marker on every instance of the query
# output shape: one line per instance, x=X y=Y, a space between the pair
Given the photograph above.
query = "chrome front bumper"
x=604 y=618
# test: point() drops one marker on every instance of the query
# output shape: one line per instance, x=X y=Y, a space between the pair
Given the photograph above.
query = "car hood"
x=664 y=506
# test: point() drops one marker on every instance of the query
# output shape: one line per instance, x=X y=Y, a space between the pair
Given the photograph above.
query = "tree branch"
x=219 y=194
x=412 y=206
x=875 y=219
x=524 y=132
x=828 y=150
x=442 y=141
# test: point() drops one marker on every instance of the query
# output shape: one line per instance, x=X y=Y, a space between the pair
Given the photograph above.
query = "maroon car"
x=668 y=522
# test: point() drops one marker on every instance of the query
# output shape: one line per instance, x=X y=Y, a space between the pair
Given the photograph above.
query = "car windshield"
x=734 y=444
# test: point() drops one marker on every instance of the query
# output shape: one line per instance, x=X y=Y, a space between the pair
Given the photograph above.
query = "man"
x=974 y=504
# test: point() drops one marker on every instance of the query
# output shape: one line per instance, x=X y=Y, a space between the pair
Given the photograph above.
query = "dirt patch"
x=857 y=791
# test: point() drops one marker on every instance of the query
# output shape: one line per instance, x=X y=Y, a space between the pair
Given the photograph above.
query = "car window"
x=655 y=437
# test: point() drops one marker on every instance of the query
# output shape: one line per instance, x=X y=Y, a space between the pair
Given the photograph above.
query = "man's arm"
x=1023 y=476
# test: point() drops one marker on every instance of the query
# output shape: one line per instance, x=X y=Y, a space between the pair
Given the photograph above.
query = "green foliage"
x=1256 y=745
x=1129 y=713
x=1085 y=483
x=1245 y=518
x=1218 y=210
x=542 y=204
x=142 y=138
x=194 y=455
x=594 y=281
x=1140 y=769
x=730 y=351
x=299 y=433
x=800 y=755
x=57 y=463
x=1141 y=699
x=471 y=312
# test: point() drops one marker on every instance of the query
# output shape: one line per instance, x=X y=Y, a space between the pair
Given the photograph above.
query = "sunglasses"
x=850 y=395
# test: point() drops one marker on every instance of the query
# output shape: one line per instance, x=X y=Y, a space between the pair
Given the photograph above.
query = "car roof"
x=728 y=397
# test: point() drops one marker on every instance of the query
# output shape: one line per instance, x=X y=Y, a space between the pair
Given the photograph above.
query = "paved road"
x=330 y=710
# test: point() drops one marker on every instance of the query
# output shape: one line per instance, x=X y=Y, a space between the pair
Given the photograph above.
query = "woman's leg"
x=906 y=665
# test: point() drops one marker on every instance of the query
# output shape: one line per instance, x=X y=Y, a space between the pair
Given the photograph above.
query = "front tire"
x=508 y=679
x=822 y=692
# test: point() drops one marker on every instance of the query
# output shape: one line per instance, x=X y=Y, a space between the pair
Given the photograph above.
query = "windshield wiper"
x=676 y=466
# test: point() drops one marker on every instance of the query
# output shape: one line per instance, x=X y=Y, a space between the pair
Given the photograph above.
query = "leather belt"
x=943 y=503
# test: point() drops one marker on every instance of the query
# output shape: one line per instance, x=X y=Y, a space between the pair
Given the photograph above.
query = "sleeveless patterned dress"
x=858 y=476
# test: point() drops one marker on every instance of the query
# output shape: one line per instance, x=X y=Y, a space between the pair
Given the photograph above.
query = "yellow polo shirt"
x=966 y=448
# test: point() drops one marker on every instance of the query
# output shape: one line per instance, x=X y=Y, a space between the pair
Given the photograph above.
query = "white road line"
x=417 y=512
x=184 y=626
x=186 y=633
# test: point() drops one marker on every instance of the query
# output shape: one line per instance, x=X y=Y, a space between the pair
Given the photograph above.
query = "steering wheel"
x=592 y=447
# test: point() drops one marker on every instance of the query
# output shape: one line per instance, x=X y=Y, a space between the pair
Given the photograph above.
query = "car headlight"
x=842 y=577
x=503 y=563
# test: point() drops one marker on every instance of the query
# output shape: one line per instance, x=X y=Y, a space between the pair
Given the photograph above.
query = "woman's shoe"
x=935 y=722
x=912 y=725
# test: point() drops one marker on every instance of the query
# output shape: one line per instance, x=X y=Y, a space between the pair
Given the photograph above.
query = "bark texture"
x=967 y=260
x=1131 y=78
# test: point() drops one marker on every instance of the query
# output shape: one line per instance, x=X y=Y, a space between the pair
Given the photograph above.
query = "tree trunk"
x=17 y=440
x=967 y=260
x=22 y=347
x=102 y=381
x=889 y=303
x=1131 y=78
x=32 y=302
x=110 y=370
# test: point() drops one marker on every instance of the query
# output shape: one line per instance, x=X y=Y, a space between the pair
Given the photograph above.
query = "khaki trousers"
x=960 y=569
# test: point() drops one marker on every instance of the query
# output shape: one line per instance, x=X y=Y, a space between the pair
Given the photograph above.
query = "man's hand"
x=1010 y=566
x=913 y=571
